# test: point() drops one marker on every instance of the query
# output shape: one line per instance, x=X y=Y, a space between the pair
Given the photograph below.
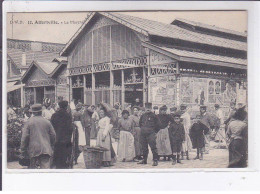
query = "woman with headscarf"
x=137 y=133
x=126 y=148
x=163 y=141
x=237 y=134
x=104 y=137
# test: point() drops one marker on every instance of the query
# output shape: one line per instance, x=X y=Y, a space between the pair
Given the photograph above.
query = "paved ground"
x=217 y=158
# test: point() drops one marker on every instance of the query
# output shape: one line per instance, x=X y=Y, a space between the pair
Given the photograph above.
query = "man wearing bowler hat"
x=38 y=139
x=149 y=125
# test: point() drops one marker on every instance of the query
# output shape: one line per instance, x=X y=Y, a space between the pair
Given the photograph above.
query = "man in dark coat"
x=149 y=125
x=62 y=123
x=88 y=123
x=177 y=136
x=197 y=132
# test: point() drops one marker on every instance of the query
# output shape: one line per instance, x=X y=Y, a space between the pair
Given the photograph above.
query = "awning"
x=12 y=87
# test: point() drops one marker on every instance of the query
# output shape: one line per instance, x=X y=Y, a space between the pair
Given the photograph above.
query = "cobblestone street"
x=217 y=158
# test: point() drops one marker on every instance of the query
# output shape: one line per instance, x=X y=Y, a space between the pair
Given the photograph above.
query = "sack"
x=216 y=121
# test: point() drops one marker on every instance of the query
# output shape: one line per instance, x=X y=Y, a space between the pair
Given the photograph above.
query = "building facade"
x=45 y=80
x=118 y=58
x=20 y=55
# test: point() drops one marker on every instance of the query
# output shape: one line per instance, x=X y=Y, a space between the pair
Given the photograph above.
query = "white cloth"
x=46 y=113
x=126 y=147
x=220 y=115
x=72 y=105
x=103 y=137
x=82 y=137
x=186 y=145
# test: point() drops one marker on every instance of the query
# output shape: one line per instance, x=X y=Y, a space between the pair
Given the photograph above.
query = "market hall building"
x=118 y=58
x=45 y=80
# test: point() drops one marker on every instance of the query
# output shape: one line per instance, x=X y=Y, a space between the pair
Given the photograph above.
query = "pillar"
x=93 y=88
x=148 y=76
x=123 y=88
x=178 y=84
x=22 y=96
x=84 y=90
x=144 y=87
x=70 y=88
x=34 y=95
x=111 y=87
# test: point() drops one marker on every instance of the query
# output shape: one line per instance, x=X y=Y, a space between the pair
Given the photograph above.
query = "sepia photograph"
x=127 y=90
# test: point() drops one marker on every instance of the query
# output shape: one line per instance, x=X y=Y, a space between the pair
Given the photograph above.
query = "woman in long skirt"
x=104 y=137
x=237 y=133
x=163 y=141
x=137 y=133
x=126 y=148
x=80 y=133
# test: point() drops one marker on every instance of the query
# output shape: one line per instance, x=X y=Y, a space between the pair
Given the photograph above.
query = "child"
x=177 y=136
x=197 y=131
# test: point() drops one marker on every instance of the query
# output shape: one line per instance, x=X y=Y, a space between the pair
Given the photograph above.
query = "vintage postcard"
x=126 y=90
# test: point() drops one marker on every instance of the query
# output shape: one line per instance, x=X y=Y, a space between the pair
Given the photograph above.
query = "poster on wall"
x=186 y=90
x=200 y=90
x=162 y=90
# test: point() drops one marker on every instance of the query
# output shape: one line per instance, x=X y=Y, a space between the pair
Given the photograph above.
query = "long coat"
x=62 y=123
x=176 y=135
x=197 y=132
x=38 y=137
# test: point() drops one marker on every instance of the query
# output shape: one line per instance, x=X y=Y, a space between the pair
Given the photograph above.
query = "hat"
x=164 y=107
x=155 y=107
x=148 y=105
x=183 y=106
x=177 y=114
x=125 y=112
x=216 y=105
x=79 y=106
x=63 y=104
x=137 y=107
x=173 y=109
x=36 y=108
x=203 y=107
x=116 y=106
x=240 y=114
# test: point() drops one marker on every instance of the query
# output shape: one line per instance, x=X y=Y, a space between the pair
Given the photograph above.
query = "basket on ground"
x=93 y=156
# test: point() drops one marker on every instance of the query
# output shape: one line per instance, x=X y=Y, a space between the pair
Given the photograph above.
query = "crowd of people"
x=170 y=133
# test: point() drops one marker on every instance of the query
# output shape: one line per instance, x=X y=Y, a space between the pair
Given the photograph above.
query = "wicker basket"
x=93 y=156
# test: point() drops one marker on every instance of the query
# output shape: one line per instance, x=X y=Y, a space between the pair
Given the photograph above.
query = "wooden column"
x=34 y=92
x=70 y=88
x=44 y=91
x=93 y=88
x=22 y=96
x=111 y=87
x=84 y=90
x=148 y=76
x=178 y=84
x=144 y=87
x=123 y=88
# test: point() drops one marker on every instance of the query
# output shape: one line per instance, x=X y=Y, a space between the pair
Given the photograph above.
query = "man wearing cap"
x=186 y=145
x=207 y=120
x=173 y=111
x=149 y=125
x=62 y=123
x=38 y=138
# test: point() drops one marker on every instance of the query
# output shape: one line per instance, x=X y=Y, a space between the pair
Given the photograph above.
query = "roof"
x=16 y=55
x=48 y=68
x=211 y=27
x=154 y=28
x=198 y=57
